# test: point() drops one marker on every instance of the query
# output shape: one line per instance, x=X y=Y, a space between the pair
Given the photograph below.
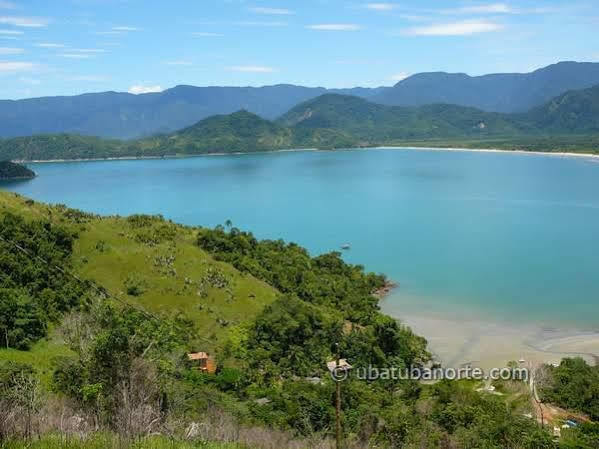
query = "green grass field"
x=173 y=274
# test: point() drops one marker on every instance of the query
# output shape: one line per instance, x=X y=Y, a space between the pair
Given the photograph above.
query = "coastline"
x=297 y=150
x=491 y=150
x=489 y=344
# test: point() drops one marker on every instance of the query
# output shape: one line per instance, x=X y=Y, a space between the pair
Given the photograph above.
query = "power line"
x=102 y=291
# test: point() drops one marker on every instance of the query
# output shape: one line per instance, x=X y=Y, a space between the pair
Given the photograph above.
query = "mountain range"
x=128 y=116
x=334 y=121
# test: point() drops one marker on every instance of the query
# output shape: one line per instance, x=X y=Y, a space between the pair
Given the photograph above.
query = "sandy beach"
x=292 y=150
x=490 y=345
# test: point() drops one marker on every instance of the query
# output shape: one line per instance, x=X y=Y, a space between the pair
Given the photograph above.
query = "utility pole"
x=338 y=407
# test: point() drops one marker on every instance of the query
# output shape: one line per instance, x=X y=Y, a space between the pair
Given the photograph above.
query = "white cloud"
x=335 y=27
x=454 y=29
x=252 y=69
x=492 y=8
x=185 y=63
x=108 y=33
x=28 y=22
x=261 y=24
x=32 y=81
x=11 y=32
x=10 y=51
x=76 y=55
x=139 y=89
x=399 y=76
x=205 y=34
x=273 y=11
x=49 y=45
x=16 y=66
x=381 y=6
x=125 y=28
x=88 y=50
x=89 y=78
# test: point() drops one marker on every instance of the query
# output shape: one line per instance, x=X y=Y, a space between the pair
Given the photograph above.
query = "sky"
x=68 y=47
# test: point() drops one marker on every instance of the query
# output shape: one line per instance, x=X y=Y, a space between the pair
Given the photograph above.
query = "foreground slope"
x=111 y=373
x=155 y=264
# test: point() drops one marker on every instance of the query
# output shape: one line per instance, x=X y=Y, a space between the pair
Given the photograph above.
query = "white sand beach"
x=490 y=345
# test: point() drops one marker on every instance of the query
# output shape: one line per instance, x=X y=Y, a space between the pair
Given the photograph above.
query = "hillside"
x=573 y=112
x=510 y=92
x=378 y=123
x=109 y=345
x=9 y=170
x=342 y=121
x=125 y=116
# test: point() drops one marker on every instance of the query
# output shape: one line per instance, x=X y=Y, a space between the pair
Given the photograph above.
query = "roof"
x=197 y=356
x=343 y=365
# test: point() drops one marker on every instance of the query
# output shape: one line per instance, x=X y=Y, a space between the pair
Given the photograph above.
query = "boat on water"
x=346 y=246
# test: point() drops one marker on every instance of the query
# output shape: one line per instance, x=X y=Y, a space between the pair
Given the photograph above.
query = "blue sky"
x=65 y=47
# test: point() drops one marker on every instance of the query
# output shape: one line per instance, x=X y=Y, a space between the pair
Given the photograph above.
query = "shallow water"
x=492 y=236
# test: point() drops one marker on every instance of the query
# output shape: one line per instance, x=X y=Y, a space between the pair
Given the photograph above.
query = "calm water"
x=498 y=236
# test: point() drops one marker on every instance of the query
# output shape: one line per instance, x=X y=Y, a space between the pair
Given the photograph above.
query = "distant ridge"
x=127 y=116
x=510 y=92
x=342 y=121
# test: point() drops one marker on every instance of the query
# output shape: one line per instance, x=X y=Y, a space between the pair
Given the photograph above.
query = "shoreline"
x=489 y=344
x=297 y=150
x=491 y=150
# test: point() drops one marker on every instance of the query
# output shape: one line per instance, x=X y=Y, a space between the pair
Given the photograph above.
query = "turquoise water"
x=493 y=235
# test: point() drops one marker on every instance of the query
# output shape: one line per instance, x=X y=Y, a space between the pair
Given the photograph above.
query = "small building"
x=342 y=366
x=203 y=361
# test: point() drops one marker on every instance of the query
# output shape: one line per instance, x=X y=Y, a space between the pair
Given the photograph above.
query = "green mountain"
x=502 y=92
x=10 y=170
x=107 y=337
x=241 y=131
x=336 y=121
x=126 y=116
x=573 y=112
x=377 y=123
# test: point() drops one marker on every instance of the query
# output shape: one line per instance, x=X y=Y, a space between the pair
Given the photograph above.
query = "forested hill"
x=10 y=170
x=378 y=123
x=337 y=121
x=126 y=116
x=501 y=92
x=576 y=111
x=107 y=335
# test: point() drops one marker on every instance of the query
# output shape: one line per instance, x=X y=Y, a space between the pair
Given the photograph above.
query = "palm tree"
x=228 y=223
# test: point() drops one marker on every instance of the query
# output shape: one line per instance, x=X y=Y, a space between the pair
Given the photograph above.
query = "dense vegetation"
x=10 y=170
x=33 y=293
x=374 y=123
x=573 y=385
x=334 y=121
x=114 y=358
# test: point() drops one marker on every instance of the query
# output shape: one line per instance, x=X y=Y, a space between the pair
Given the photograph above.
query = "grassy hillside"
x=161 y=259
x=107 y=352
